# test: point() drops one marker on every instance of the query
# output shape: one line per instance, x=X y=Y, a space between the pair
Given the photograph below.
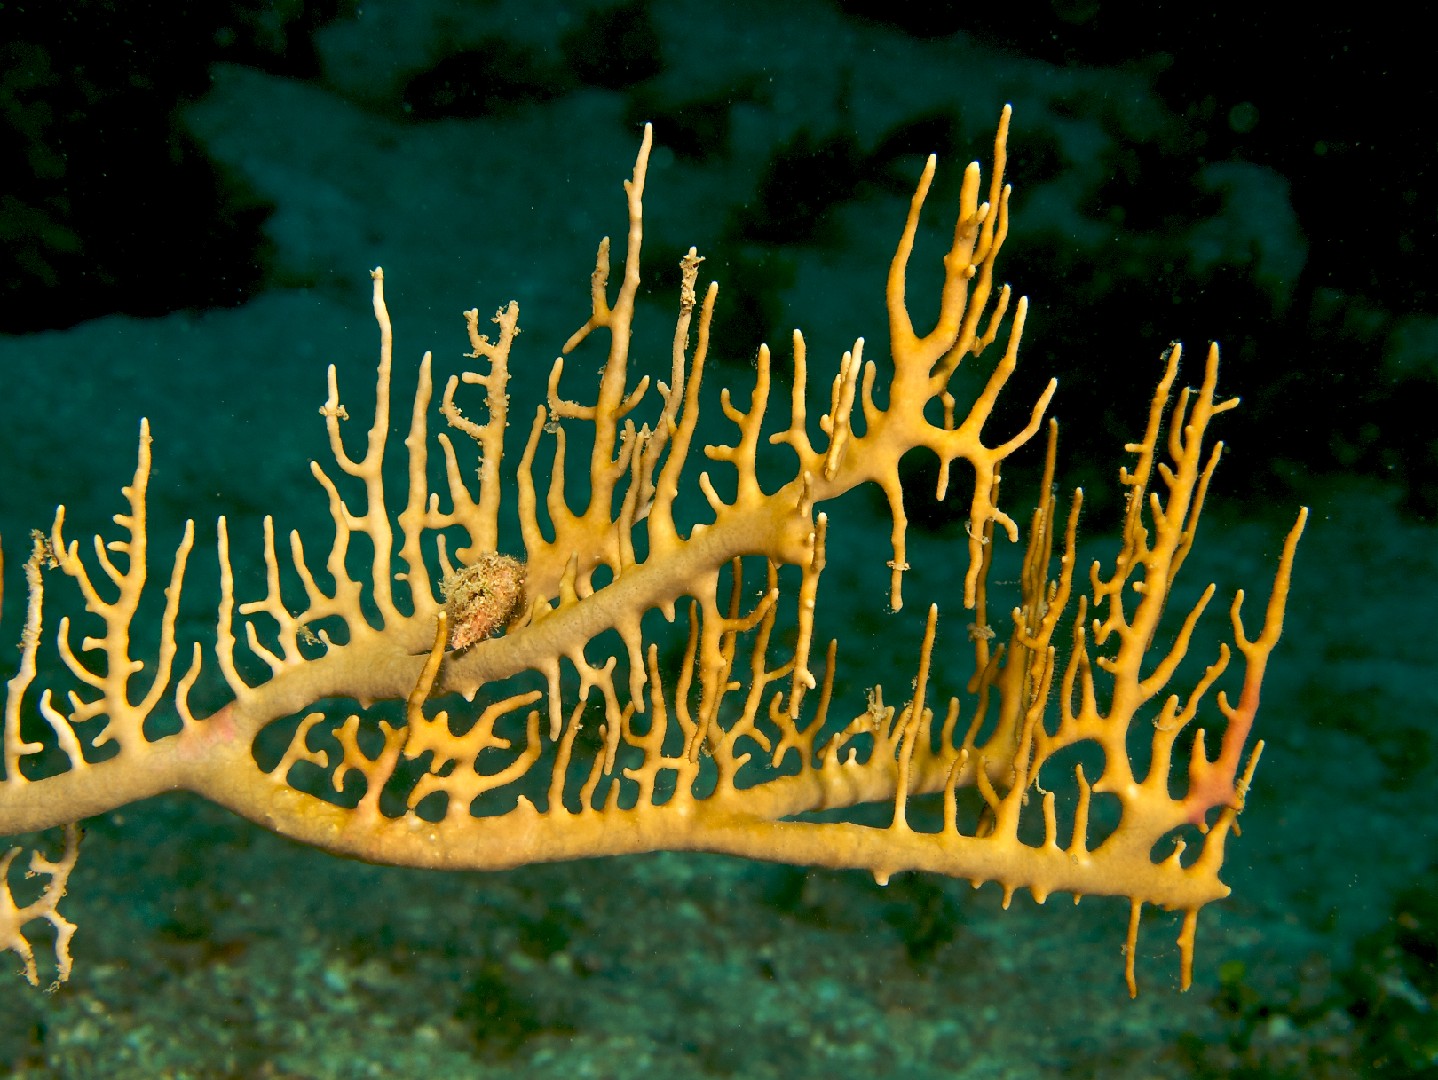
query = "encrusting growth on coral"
x=538 y=707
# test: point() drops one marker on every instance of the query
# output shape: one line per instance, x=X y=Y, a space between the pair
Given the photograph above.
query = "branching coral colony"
x=577 y=731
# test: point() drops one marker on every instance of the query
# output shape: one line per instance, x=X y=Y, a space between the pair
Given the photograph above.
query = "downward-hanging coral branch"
x=619 y=685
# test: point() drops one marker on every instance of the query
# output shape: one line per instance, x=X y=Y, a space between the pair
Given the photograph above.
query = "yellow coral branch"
x=712 y=736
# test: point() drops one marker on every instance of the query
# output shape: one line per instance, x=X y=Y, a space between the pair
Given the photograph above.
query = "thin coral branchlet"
x=476 y=670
